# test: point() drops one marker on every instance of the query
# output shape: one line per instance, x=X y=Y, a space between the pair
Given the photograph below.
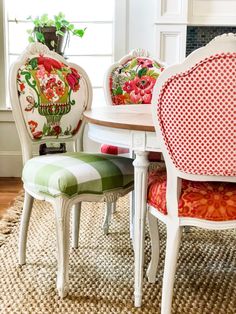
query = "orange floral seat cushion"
x=205 y=200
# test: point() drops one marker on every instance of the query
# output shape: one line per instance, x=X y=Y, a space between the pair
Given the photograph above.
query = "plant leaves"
x=79 y=32
x=31 y=39
x=40 y=37
x=59 y=32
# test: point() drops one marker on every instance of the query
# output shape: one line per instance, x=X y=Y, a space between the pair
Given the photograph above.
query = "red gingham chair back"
x=196 y=113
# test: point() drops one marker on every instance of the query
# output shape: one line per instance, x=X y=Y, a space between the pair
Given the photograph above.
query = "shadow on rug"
x=101 y=269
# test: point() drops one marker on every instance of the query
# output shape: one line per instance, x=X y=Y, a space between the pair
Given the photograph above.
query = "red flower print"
x=22 y=86
x=33 y=125
x=49 y=63
x=37 y=135
x=73 y=79
x=59 y=90
x=57 y=129
x=128 y=86
x=49 y=93
x=51 y=82
x=119 y=100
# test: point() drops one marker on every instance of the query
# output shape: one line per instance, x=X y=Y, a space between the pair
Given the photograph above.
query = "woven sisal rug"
x=101 y=270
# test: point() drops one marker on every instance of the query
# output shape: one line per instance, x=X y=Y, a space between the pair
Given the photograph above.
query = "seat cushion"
x=205 y=200
x=71 y=174
x=115 y=150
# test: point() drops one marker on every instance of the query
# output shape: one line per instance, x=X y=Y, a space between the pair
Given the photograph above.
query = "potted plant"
x=53 y=32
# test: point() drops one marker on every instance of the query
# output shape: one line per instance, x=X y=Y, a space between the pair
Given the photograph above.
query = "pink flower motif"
x=139 y=99
x=145 y=63
x=41 y=71
x=142 y=92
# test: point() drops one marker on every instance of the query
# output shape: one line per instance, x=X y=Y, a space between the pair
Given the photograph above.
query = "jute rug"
x=101 y=270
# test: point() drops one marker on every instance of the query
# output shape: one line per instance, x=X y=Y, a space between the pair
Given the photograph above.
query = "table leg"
x=140 y=186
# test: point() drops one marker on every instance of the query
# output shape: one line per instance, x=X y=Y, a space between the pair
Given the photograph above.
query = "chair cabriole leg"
x=24 y=224
x=155 y=247
x=172 y=249
x=62 y=212
x=76 y=211
x=107 y=218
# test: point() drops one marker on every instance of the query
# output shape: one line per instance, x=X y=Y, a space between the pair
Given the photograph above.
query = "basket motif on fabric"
x=47 y=90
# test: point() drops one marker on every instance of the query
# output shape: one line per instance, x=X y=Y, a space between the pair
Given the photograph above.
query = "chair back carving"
x=195 y=108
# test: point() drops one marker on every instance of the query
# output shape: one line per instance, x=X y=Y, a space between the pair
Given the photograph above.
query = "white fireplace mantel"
x=173 y=17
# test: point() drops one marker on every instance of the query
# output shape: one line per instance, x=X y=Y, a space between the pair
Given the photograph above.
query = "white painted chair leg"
x=140 y=171
x=131 y=216
x=62 y=213
x=24 y=224
x=107 y=218
x=155 y=247
x=172 y=250
x=76 y=211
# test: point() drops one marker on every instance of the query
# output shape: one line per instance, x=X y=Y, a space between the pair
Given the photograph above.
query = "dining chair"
x=48 y=97
x=130 y=81
x=193 y=109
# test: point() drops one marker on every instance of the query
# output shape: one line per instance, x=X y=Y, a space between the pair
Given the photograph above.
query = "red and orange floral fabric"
x=133 y=81
x=48 y=91
x=214 y=201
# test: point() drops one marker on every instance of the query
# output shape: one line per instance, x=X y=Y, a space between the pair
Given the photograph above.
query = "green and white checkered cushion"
x=72 y=174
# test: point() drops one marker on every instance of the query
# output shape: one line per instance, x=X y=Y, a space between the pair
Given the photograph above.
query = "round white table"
x=129 y=126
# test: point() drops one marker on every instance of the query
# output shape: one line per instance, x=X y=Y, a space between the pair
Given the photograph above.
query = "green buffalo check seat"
x=71 y=174
x=48 y=97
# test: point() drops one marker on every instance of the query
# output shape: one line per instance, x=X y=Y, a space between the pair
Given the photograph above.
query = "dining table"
x=129 y=126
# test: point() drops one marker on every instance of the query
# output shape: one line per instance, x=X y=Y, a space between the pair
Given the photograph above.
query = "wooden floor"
x=9 y=189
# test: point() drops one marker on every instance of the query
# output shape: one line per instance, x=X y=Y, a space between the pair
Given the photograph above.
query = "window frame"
x=119 y=36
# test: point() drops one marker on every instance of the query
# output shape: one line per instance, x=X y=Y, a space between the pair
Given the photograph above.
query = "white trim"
x=120 y=29
x=6 y=115
x=10 y=153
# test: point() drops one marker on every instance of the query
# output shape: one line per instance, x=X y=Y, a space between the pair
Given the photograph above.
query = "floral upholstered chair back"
x=131 y=80
x=196 y=110
x=48 y=94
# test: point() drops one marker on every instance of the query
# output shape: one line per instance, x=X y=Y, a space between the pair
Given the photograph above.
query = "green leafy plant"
x=61 y=25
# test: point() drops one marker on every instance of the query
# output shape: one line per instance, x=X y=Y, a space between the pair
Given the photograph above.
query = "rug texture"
x=101 y=269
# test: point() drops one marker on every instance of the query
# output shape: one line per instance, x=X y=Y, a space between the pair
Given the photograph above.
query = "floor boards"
x=9 y=189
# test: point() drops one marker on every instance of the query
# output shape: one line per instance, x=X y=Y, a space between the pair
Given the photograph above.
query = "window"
x=94 y=52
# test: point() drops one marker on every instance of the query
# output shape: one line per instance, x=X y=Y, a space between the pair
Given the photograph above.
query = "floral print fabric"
x=133 y=81
x=48 y=91
x=214 y=201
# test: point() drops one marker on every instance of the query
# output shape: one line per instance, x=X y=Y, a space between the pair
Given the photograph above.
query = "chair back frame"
x=222 y=44
x=27 y=142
